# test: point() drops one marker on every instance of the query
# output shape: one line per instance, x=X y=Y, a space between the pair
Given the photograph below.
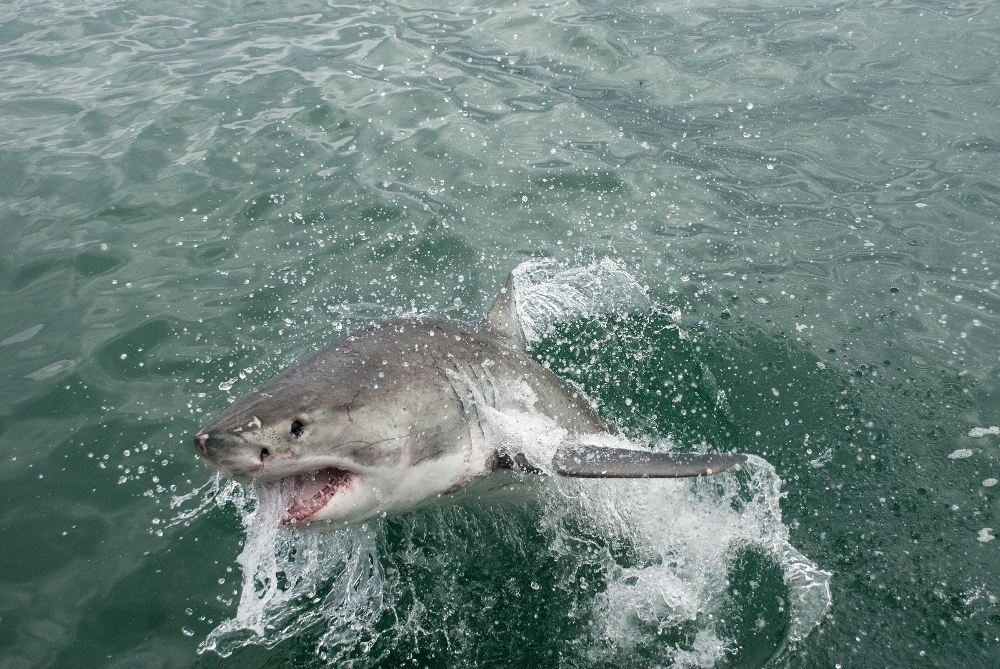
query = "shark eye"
x=298 y=429
x=264 y=453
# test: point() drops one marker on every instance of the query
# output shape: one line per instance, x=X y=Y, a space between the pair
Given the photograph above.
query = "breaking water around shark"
x=679 y=572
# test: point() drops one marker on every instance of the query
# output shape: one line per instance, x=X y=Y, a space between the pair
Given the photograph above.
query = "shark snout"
x=201 y=439
x=229 y=452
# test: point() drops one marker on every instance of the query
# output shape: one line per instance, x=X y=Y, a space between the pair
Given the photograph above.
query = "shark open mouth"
x=305 y=494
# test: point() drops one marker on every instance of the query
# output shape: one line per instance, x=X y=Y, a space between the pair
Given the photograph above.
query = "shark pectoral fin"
x=584 y=461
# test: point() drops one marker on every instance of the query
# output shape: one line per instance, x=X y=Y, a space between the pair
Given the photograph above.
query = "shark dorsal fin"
x=502 y=318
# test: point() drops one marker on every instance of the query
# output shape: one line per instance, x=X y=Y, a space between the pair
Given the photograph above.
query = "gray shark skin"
x=403 y=413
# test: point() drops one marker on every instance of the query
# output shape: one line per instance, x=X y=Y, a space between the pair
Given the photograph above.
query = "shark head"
x=310 y=455
x=320 y=435
x=360 y=429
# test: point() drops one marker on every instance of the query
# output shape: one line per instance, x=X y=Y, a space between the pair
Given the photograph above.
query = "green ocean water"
x=783 y=218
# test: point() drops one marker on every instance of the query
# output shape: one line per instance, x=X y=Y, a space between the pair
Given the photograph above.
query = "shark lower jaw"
x=306 y=495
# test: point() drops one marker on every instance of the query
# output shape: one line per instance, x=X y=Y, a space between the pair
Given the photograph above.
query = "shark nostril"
x=202 y=439
x=264 y=454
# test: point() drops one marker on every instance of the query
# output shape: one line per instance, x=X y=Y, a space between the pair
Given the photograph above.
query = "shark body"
x=400 y=414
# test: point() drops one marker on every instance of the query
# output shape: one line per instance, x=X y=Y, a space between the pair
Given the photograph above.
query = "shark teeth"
x=307 y=493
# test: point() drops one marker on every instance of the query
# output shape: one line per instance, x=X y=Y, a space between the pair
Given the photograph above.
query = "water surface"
x=804 y=199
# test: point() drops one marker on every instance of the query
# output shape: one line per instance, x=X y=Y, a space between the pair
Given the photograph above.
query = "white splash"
x=548 y=294
x=688 y=533
x=293 y=580
x=682 y=538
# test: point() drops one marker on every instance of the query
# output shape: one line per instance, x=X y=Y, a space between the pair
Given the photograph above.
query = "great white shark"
x=403 y=413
